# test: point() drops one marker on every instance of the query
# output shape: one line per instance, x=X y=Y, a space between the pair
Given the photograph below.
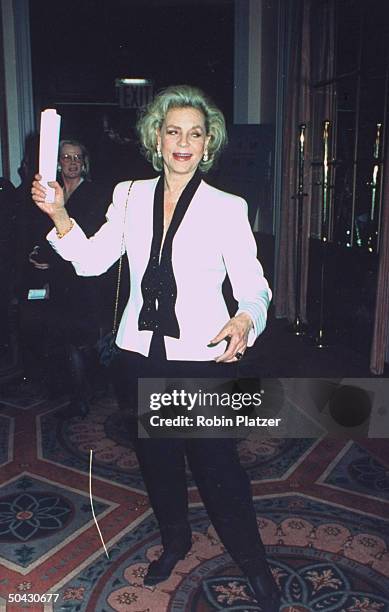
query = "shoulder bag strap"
x=115 y=314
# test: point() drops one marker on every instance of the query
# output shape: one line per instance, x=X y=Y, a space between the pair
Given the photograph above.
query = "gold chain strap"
x=115 y=316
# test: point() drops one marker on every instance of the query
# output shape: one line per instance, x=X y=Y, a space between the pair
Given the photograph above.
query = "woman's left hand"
x=237 y=331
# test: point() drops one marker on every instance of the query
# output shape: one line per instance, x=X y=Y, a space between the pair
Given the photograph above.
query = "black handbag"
x=106 y=347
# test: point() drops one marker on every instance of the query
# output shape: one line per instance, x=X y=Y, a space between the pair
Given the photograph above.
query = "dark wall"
x=80 y=48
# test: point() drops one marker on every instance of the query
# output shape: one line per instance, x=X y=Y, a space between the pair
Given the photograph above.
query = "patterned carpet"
x=322 y=509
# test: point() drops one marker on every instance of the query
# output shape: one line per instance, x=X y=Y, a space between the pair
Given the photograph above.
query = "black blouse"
x=159 y=289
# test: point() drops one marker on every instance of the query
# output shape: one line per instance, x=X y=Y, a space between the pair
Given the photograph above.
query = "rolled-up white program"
x=48 y=149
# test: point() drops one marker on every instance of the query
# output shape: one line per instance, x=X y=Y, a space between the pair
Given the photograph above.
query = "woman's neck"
x=70 y=185
x=174 y=184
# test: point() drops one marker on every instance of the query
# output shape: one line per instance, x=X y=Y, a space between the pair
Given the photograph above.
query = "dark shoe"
x=160 y=570
x=265 y=591
x=176 y=542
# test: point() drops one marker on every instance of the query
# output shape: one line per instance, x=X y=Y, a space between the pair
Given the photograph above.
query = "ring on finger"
x=238 y=356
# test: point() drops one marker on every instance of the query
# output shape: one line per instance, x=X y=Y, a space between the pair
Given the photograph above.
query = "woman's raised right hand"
x=38 y=192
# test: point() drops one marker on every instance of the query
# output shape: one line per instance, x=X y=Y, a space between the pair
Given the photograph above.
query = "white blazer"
x=213 y=239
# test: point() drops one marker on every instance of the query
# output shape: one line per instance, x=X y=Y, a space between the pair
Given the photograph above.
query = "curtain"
x=381 y=322
x=297 y=107
x=311 y=55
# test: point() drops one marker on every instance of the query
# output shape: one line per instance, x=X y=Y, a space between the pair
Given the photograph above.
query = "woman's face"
x=71 y=161
x=182 y=139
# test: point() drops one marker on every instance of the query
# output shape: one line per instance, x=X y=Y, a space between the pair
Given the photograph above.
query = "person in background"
x=78 y=315
x=182 y=237
x=8 y=254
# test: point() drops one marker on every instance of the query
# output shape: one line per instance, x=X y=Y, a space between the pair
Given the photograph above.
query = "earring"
x=159 y=152
x=205 y=156
x=59 y=169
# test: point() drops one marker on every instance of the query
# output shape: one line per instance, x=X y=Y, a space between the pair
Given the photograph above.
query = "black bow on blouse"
x=159 y=289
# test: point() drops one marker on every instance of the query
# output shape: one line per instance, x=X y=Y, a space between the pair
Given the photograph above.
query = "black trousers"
x=222 y=482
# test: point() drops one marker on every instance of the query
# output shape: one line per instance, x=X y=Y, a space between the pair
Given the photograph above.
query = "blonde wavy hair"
x=181 y=96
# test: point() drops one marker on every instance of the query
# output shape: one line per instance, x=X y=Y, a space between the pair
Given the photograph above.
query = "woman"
x=76 y=314
x=181 y=237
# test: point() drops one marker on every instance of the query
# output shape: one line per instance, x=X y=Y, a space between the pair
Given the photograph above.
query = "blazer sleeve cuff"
x=69 y=244
x=257 y=311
